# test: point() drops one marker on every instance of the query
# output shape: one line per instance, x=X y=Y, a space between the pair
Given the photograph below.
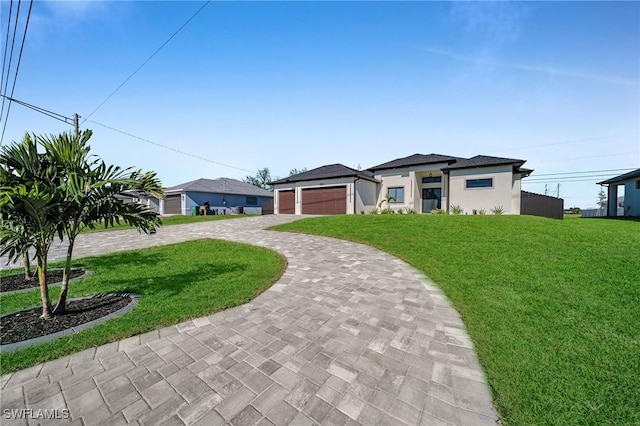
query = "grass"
x=553 y=307
x=176 y=282
x=169 y=221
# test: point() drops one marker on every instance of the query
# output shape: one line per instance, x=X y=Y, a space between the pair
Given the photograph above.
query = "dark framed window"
x=432 y=179
x=397 y=193
x=479 y=183
x=638 y=184
x=252 y=201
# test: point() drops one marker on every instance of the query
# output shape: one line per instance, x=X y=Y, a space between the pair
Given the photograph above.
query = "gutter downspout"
x=354 y=194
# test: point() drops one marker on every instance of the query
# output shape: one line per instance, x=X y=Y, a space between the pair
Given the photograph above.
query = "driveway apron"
x=348 y=335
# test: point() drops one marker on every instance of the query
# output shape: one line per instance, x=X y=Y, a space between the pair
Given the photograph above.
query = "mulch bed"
x=25 y=325
x=17 y=282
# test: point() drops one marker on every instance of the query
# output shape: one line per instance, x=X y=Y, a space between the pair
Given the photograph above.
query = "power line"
x=575 y=173
x=170 y=148
x=15 y=77
x=54 y=115
x=13 y=42
x=147 y=60
x=6 y=47
x=591 y=156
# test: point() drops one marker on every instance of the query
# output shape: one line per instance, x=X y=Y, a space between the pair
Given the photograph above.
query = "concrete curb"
x=11 y=347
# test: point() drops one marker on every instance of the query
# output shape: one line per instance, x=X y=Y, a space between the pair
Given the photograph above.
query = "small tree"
x=297 y=171
x=602 y=200
x=262 y=179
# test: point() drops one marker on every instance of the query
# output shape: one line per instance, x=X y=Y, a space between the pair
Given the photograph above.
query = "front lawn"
x=168 y=221
x=553 y=307
x=176 y=282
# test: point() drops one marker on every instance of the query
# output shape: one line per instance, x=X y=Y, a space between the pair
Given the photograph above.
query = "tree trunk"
x=27 y=265
x=44 y=290
x=61 y=304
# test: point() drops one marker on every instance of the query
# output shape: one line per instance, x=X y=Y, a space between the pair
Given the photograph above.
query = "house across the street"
x=223 y=195
x=631 y=201
x=420 y=183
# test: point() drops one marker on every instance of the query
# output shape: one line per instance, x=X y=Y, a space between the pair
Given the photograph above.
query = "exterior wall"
x=360 y=199
x=366 y=195
x=410 y=178
x=221 y=202
x=505 y=188
x=632 y=198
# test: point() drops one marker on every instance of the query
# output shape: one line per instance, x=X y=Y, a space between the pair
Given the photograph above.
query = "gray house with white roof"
x=224 y=195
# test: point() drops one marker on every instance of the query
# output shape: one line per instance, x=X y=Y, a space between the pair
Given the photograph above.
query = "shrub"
x=497 y=210
x=374 y=211
x=482 y=212
x=438 y=211
x=456 y=209
x=474 y=211
x=409 y=210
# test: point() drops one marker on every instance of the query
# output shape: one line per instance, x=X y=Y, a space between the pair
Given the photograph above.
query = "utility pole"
x=76 y=124
x=545 y=189
x=558 y=191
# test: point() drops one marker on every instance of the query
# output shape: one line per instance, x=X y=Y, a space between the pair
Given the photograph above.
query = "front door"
x=431 y=199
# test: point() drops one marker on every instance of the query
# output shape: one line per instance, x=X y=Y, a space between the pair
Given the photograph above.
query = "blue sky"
x=303 y=84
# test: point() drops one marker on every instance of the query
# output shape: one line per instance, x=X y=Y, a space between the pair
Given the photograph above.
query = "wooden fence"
x=541 y=205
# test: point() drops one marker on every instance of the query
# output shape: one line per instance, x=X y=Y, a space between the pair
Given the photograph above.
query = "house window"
x=252 y=201
x=638 y=184
x=397 y=194
x=432 y=179
x=479 y=183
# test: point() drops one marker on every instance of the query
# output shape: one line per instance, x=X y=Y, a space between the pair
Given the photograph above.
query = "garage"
x=324 y=200
x=287 y=202
x=173 y=204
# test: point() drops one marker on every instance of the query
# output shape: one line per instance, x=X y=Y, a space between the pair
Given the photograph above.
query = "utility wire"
x=69 y=120
x=169 y=148
x=55 y=115
x=147 y=60
x=6 y=47
x=13 y=42
x=575 y=173
x=15 y=77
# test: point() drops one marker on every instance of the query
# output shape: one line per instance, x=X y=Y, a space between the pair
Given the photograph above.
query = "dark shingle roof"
x=331 y=171
x=623 y=177
x=220 y=186
x=483 y=161
x=416 y=160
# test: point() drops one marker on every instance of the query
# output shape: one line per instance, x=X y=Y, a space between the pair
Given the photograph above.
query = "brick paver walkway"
x=349 y=335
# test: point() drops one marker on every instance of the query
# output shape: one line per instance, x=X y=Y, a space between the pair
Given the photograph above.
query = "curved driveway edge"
x=348 y=335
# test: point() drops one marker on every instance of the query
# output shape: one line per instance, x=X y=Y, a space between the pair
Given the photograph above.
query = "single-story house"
x=141 y=197
x=631 y=202
x=224 y=196
x=419 y=182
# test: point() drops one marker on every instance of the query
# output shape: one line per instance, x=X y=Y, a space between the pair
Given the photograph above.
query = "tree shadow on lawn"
x=147 y=280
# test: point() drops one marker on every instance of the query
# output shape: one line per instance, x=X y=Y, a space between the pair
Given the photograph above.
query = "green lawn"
x=552 y=306
x=176 y=282
x=170 y=220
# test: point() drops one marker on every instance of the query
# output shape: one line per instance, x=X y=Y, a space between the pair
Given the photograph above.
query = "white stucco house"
x=419 y=182
x=631 y=201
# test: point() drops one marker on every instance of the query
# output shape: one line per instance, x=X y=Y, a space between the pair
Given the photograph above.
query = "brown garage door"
x=324 y=200
x=286 y=202
x=173 y=204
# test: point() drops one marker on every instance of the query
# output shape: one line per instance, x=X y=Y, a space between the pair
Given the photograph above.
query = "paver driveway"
x=348 y=335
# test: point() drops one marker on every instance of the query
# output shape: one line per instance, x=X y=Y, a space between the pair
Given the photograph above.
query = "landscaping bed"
x=15 y=282
x=26 y=325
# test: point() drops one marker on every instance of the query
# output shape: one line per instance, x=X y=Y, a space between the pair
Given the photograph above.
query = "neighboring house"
x=141 y=197
x=421 y=183
x=224 y=195
x=631 y=202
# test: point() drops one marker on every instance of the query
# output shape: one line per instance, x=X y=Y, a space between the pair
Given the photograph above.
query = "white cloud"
x=542 y=69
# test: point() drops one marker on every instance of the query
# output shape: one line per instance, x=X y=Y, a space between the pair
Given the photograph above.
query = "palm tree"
x=90 y=189
x=31 y=198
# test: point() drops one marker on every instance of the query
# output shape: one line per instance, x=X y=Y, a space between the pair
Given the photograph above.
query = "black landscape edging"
x=11 y=347
x=87 y=272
